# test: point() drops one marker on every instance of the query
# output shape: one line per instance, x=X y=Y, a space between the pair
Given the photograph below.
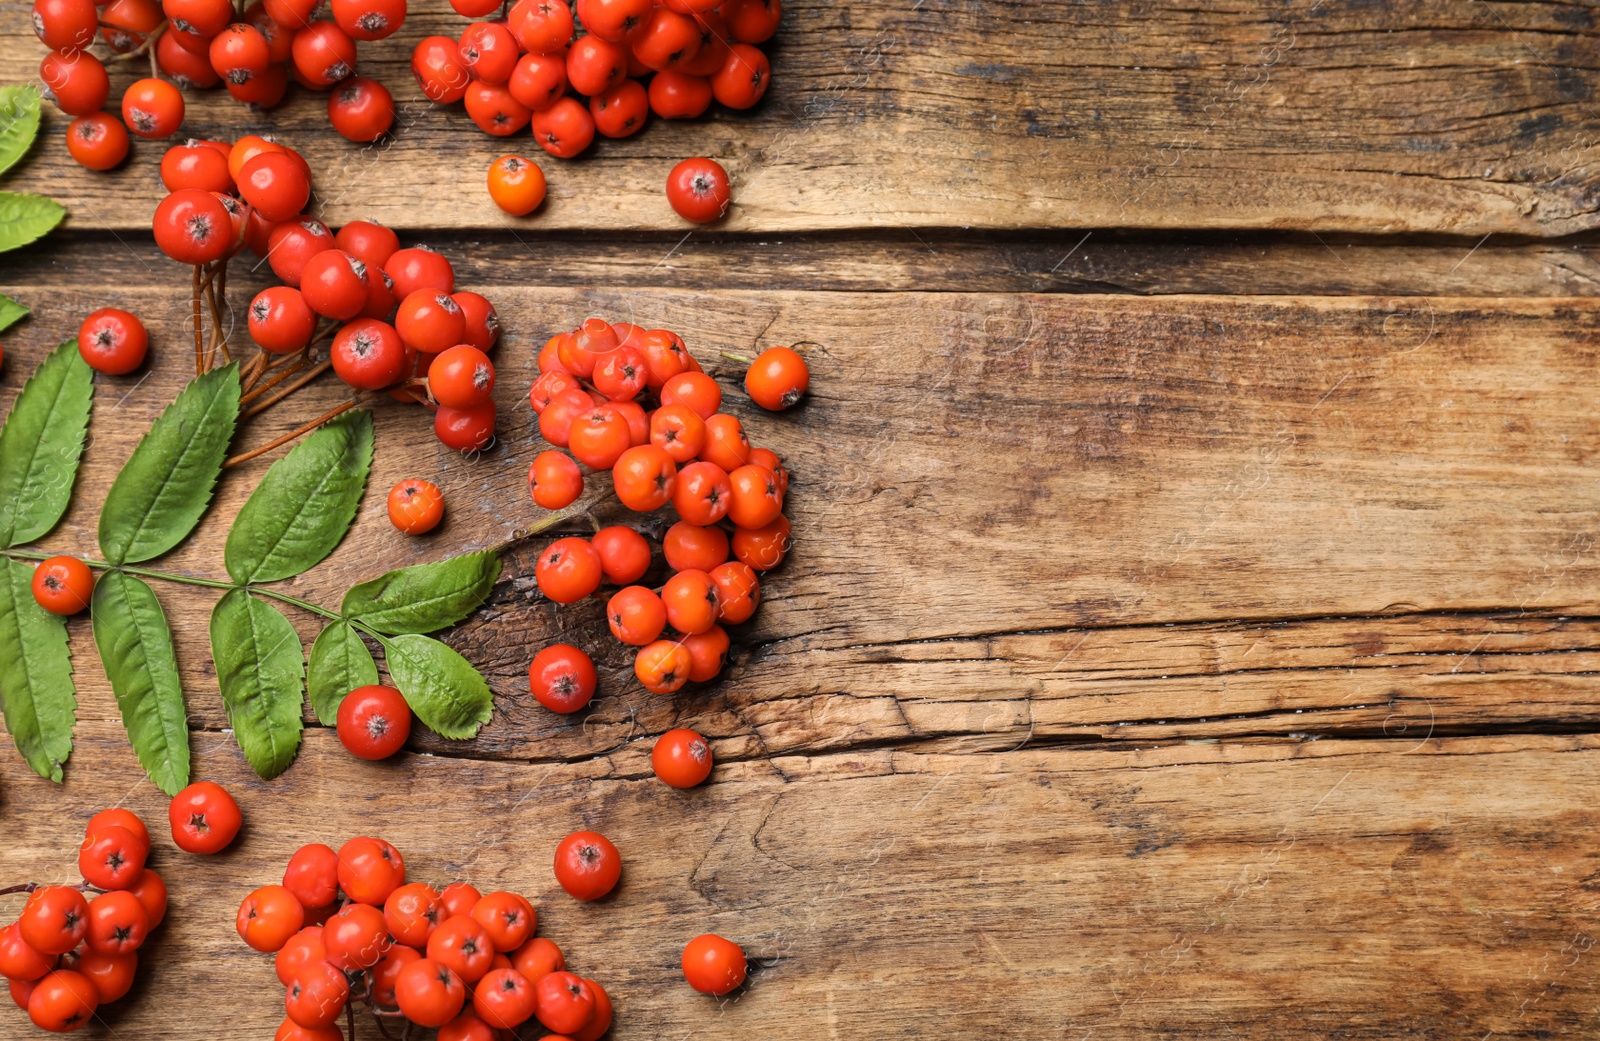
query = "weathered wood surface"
x=1037 y=518
x=1344 y=888
x=1321 y=114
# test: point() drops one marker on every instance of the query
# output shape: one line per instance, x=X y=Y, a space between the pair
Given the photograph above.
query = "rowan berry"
x=588 y=867
x=752 y=21
x=665 y=354
x=67 y=26
x=564 y=129
x=550 y=355
x=538 y=957
x=275 y=183
x=768 y=458
x=62 y=1001
x=555 y=480
x=726 y=444
x=369 y=870
x=556 y=418
x=620 y=374
x=637 y=419
x=538 y=80
x=110 y=974
x=75 y=81
x=368 y=354
x=269 y=917
x=568 y=570
x=691 y=601
x=198 y=19
x=415 y=506
x=482 y=321
x=459 y=898
x=598 y=437
x=763 y=548
x=372 y=244
x=312 y=875
x=361 y=109
x=420 y=268
x=193 y=227
x=429 y=993
x=743 y=77
x=204 y=818
x=703 y=493
x=387 y=972
x=291 y=244
x=696 y=390
x=430 y=321
x=757 y=500
x=662 y=667
x=551 y=385
x=303 y=948
x=97 y=141
x=63 y=585
x=317 y=995
x=369 y=19
x=436 y=63
x=280 y=38
x=678 y=95
x=495 y=110
x=323 y=54
x=412 y=912
x=240 y=53
x=516 y=184
x=152 y=108
x=112 y=857
x=374 y=721
x=280 y=321
x=508 y=918
x=465 y=429
x=125 y=24
x=54 y=920
x=600 y=1019
x=624 y=554
x=690 y=547
x=681 y=758
x=713 y=44
x=636 y=616
x=194 y=164
x=620 y=110
x=698 y=190
x=542 y=26
x=356 y=938
x=461 y=376
x=19 y=960
x=713 y=965
x=645 y=477
x=113 y=341
x=488 y=51
x=708 y=652
x=152 y=894
x=333 y=283
x=123 y=819
x=463 y=946
x=583 y=349
x=678 y=431
x=669 y=40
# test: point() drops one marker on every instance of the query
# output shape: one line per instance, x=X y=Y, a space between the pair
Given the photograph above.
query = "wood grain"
x=1030 y=518
x=1299 y=114
x=1252 y=889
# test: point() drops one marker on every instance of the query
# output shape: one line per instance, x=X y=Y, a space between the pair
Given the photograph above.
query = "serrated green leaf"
x=41 y=443
x=304 y=505
x=19 y=122
x=36 y=691
x=11 y=312
x=424 y=598
x=25 y=217
x=260 y=668
x=441 y=686
x=339 y=663
x=135 y=644
x=166 y=485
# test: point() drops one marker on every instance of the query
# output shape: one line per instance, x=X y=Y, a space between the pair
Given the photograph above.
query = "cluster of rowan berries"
x=518 y=71
x=200 y=43
x=67 y=954
x=349 y=931
x=591 y=399
x=395 y=318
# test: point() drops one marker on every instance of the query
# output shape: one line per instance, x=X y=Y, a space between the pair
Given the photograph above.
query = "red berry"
x=75 y=81
x=276 y=184
x=562 y=678
x=374 y=722
x=280 y=320
x=240 y=53
x=361 y=109
x=555 y=480
x=323 y=54
x=152 y=108
x=461 y=376
x=681 y=758
x=436 y=63
x=418 y=268
x=65 y=25
x=568 y=570
x=204 y=818
x=564 y=129
x=743 y=77
x=293 y=243
x=369 y=19
x=698 y=190
x=368 y=355
x=373 y=244
x=588 y=866
x=334 y=284
x=97 y=141
x=429 y=321
x=465 y=429
x=488 y=51
x=415 y=507
x=678 y=95
x=713 y=965
x=624 y=554
x=113 y=342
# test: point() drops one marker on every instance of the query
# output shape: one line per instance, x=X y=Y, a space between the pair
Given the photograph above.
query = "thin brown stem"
x=299 y=431
x=316 y=371
x=199 y=342
x=25 y=887
x=253 y=371
x=290 y=370
x=147 y=47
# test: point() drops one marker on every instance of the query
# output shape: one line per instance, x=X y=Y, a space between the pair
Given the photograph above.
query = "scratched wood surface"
x=1094 y=599
x=1284 y=114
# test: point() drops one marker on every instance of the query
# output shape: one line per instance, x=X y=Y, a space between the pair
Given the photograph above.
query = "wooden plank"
x=1028 y=518
x=1262 y=890
x=1098 y=262
x=1428 y=116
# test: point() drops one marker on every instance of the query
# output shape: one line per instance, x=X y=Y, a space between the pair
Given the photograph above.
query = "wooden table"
x=1192 y=626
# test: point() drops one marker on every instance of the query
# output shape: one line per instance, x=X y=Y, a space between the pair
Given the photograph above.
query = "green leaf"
x=19 y=123
x=340 y=663
x=166 y=485
x=41 y=443
x=441 y=686
x=11 y=312
x=424 y=598
x=304 y=504
x=25 y=217
x=259 y=668
x=36 y=691
x=130 y=629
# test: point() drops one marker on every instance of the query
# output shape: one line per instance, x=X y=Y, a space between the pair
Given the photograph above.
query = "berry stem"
x=290 y=365
x=106 y=565
x=199 y=341
x=25 y=887
x=304 y=428
x=296 y=385
x=731 y=356
x=147 y=47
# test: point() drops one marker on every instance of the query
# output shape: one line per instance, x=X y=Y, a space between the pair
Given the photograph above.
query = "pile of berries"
x=201 y=43
x=533 y=67
x=394 y=316
x=68 y=953
x=349 y=931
